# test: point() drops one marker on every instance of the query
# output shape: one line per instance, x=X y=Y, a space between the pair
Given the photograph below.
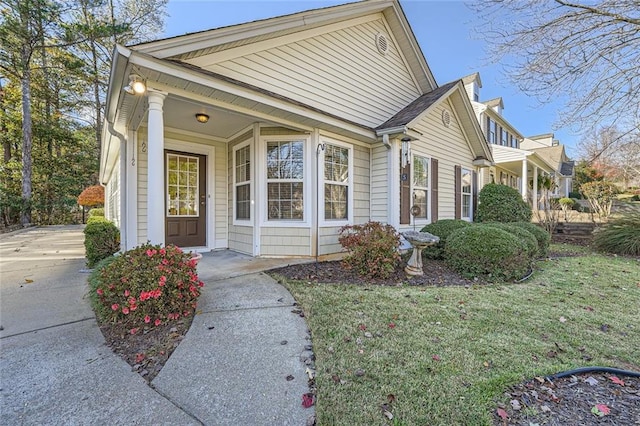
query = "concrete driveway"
x=241 y=363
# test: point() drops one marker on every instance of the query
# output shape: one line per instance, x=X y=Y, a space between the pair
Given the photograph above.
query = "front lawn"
x=446 y=355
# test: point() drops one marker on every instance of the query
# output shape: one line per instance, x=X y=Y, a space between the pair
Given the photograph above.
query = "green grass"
x=487 y=338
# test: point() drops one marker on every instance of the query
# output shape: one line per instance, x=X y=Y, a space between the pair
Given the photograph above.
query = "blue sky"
x=444 y=30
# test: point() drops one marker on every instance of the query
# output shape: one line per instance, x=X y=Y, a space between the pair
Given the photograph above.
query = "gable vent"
x=446 y=118
x=382 y=43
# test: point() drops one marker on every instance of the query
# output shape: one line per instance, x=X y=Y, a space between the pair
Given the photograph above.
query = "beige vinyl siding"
x=328 y=236
x=280 y=241
x=449 y=146
x=112 y=197
x=240 y=237
x=379 y=183
x=340 y=72
x=141 y=161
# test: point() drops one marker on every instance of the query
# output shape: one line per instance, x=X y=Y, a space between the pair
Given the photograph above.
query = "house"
x=553 y=153
x=515 y=165
x=267 y=137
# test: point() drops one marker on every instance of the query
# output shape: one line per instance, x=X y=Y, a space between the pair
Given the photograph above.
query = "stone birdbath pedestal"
x=419 y=241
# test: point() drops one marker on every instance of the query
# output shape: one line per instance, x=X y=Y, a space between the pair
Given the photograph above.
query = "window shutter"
x=458 y=191
x=405 y=193
x=434 y=190
x=474 y=191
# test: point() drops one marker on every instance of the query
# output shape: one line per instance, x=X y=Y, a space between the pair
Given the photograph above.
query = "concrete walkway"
x=232 y=368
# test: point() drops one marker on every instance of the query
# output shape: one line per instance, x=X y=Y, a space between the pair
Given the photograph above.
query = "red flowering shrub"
x=146 y=286
x=373 y=248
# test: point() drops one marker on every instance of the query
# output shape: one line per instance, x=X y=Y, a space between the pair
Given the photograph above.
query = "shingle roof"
x=566 y=169
x=417 y=107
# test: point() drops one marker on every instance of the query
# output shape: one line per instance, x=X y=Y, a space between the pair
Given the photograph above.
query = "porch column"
x=155 y=170
x=524 y=181
x=535 y=188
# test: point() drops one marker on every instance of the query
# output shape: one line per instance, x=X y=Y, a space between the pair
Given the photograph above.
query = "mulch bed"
x=569 y=401
x=436 y=273
x=149 y=349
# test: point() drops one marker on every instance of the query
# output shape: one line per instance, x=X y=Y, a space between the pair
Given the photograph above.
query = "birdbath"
x=419 y=241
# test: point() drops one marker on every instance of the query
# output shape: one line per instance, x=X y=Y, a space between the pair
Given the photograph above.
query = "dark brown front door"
x=186 y=199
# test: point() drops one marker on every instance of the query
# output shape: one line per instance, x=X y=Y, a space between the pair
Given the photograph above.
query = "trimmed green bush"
x=501 y=203
x=529 y=240
x=487 y=251
x=441 y=228
x=542 y=236
x=373 y=248
x=96 y=212
x=620 y=235
x=101 y=239
x=145 y=287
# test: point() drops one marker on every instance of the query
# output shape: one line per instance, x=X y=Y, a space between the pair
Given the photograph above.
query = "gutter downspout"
x=123 y=187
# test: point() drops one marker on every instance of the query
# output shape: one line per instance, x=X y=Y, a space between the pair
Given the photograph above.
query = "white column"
x=155 y=171
x=535 y=188
x=524 y=180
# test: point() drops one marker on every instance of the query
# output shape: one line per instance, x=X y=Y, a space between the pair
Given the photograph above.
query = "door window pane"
x=182 y=185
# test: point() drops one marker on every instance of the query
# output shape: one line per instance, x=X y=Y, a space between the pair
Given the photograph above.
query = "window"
x=285 y=174
x=491 y=130
x=505 y=138
x=467 y=194
x=420 y=183
x=182 y=185
x=514 y=142
x=242 y=182
x=336 y=182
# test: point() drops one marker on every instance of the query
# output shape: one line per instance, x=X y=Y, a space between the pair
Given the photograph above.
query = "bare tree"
x=585 y=53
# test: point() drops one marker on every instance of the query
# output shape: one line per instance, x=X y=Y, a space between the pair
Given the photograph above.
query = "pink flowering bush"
x=147 y=286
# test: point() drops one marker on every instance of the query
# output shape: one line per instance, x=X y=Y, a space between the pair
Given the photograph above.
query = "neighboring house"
x=267 y=137
x=514 y=166
x=552 y=151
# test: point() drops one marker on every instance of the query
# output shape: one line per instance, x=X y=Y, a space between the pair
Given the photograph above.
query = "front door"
x=186 y=199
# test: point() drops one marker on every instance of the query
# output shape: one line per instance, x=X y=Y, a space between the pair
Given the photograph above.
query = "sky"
x=445 y=33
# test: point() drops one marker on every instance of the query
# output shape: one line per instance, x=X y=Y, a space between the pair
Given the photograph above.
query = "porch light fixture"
x=136 y=85
x=202 y=117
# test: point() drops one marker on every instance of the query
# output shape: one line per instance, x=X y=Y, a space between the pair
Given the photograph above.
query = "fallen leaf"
x=307 y=400
x=552 y=354
x=486 y=364
x=591 y=381
x=540 y=379
x=515 y=404
x=435 y=358
x=335 y=378
x=616 y=380
x=605 y=327
x=391 y=398
x=362 y=327
x=563 y=319
x=588 y=308
x=28 y=281
x=600 y=410
x=502 y=414
x=545 y=408
x=309 y=373
x=392 y=325
x=388 y=414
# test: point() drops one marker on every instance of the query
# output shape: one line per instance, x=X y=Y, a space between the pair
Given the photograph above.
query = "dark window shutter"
x=474 y=191
x=434 y=190
x=458 y=191
x=405 y=193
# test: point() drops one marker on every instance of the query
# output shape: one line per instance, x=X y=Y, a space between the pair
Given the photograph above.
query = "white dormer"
x=472 y=85
x=495 y=104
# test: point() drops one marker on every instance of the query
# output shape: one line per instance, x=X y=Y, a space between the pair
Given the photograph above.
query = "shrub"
x=147 y=286
x=542 y=237
x=575 y=194
x=501 y=203
x=484 y=250
x=101 y=239
x=600 y=195
x=373 y=248
x=527 y=238
x=442 y=228
x=620 y=235
x=566 y=204
x=96 y=212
